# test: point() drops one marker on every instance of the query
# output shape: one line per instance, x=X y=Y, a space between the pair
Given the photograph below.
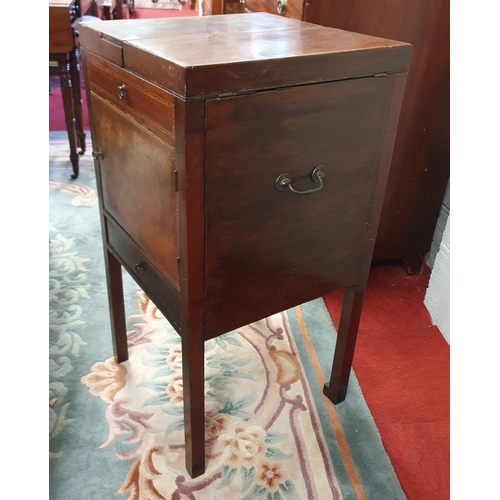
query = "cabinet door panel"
x=137 y=175
x=269 y=250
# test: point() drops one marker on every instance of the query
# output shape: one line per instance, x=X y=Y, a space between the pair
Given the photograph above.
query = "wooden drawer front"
x=147 y=275
x=138 y=185
x=61 y=37
x=293 y=8
x=266 y=247
x=151 y=106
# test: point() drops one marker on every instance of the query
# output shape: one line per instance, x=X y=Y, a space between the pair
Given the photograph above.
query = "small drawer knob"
x=138 y=266
x=122 y=91
x=281 y=6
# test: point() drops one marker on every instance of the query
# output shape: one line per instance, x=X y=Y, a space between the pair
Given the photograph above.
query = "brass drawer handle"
x=285 y=181
x=122 y=89
x=281 y=6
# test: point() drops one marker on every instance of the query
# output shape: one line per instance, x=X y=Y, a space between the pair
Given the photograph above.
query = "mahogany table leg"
x=92 y=10
x=67 y=95
x=193 y=375
x=352 y=303
x=77 y=98
x=118 y=14
x=116 y=307
x=106 y=10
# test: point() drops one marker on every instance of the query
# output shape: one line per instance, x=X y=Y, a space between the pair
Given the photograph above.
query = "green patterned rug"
x=116 y=431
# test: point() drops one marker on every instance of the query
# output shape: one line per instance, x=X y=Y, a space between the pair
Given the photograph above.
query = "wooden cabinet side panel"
x=269 y=250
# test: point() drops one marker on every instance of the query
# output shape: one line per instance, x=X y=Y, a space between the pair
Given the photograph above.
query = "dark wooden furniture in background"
x=116 y=9
x=63 y=62
x=216 y=7
x=241 y=164
x=420 y=167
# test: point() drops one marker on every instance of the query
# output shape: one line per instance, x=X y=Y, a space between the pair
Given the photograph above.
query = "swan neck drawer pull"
x=285 y=181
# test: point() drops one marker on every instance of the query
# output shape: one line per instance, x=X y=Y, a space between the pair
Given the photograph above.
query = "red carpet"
x=402 y=363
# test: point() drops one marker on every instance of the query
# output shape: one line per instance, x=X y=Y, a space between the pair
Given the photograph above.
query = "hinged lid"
x=207 y=56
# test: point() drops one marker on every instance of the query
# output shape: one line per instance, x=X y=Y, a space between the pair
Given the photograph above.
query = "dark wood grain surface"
x=62 y=13
x=244 y=56
x=352 y=304
x=148 y=104
x=137 y=176
x=191 y=27
x=61 y=38
x=288 y=248
x=279 y=58
x=421 y=160
x=292 y=8
x=147 y=274
x=218 y=245
x=190 y=147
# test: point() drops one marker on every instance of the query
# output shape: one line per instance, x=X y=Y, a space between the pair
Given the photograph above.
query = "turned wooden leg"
x=106 y=10
x=352 y=303
x=118 y=14
x=193 y=376
x=116 y=307
x=77 y=98
x=93 y=10
x=67 y=95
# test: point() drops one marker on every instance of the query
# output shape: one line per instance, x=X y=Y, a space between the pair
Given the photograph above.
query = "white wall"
x=437 y=297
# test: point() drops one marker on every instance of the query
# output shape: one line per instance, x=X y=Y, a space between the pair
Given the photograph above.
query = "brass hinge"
x=97 y=154
x=179 y=265
x=176 y=181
